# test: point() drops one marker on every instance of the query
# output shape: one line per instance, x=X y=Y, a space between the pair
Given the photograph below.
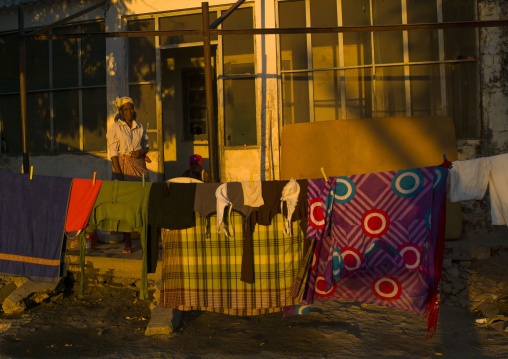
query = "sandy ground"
x=109 y=321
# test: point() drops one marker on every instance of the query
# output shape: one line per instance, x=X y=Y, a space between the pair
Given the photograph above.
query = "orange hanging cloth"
x=83 y=196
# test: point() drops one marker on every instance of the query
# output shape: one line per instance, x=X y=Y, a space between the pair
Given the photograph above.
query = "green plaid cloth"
x=203 y=272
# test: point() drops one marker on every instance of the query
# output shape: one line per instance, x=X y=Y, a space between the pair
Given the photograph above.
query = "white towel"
x=469 y=179
x=498 y=189
x=252 y=195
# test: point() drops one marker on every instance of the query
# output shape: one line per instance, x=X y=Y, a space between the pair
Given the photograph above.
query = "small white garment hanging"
x=222 y=202
x=290 y=194
x=469 y=179
x=252 y=195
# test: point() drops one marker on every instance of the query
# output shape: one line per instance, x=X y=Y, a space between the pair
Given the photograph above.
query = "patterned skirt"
x=132 y=169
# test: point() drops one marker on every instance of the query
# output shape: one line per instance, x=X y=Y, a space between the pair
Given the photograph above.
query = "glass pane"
x=10 y=122
x=388 y=44
x=66 y=120
x=461 y=96
x=141 y=52
x=238 y=49
x=93 y=56
x=94 y=119
x=37 y=65
x=293 y=48
x=357 y=46
x=184 y=22
x=65 y=59
x=324 y=46
x=459 y=10
x=358 y=93
x=240 y=112
x=295 y=88
x=194 y=103
x=390 y=93
x=423 y=44
x=38 y=118
x=144 y=105
x=327 y=96
x=425 y=90
x=9 y=63
x=460 y=43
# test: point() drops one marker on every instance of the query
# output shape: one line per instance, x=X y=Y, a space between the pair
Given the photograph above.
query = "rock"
x=458 y=284
x=453 y=272
x=6 y=290
x=163 y=321
x=15 y=302
x=484 y=296
x=446 y=288
x=479 y=251
x=463 y=302
x=488 y=309
x=447 y=263
x=465 y=264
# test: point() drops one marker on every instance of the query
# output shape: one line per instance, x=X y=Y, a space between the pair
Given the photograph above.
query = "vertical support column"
x=22 y=87
x=211 y=125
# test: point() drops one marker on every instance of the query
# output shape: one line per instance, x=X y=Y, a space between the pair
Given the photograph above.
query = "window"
x=390 y=73
x=142 y=77
x=66 y=92
x=239 y=81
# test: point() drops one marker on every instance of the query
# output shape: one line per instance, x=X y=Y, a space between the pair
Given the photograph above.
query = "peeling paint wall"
x=494 y=77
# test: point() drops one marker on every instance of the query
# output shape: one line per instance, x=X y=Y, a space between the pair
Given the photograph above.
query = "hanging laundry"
x=222 y=202
x=320 y=199
x=123 y=207
x=272 y=194
x=469 y=180
x=32 y=224
x=205 y=201
x=290 y=194
x=83 y=196
x=384 y=239
x=252 y=193
x=171 y=206
x=202 y=273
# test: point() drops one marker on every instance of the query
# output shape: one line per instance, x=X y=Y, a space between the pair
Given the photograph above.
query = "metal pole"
x=210 y=115
x=22 y=87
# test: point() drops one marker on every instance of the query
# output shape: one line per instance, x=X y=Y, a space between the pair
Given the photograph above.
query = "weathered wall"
x=494 y=76
x=493 y=56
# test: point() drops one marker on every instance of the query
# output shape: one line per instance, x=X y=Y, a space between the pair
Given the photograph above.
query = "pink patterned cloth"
x=375 y=238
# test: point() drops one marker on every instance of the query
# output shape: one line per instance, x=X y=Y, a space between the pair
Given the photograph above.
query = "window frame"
x=51 y=90
x=406 y=64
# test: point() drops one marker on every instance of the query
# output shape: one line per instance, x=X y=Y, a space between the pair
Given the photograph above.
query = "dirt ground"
x=109 y=321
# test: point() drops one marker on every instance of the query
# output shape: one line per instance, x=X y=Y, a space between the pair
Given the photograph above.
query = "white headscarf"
x=120 y=101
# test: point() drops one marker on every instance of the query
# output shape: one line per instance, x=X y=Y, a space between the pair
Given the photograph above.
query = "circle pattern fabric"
x=320 y=288
x=316 y=216
x=375 y=223
x=352 y=258
x=412 y=255
x=407 y=183
x=345 y=190
x=386 y=287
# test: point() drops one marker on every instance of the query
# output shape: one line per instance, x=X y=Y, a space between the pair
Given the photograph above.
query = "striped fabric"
x=203 y=273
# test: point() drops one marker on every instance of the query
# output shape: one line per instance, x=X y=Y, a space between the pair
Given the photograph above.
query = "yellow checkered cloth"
x=203 y=272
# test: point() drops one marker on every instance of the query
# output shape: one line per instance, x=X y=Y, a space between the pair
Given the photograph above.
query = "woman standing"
x=127 y=148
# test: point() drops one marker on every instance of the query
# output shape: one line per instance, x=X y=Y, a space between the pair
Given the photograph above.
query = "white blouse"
x=123 y=140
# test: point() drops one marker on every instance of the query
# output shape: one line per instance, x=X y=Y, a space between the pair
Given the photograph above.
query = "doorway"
x=184 y=107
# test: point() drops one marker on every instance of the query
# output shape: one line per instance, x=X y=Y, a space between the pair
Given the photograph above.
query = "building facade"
x=262 y=82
